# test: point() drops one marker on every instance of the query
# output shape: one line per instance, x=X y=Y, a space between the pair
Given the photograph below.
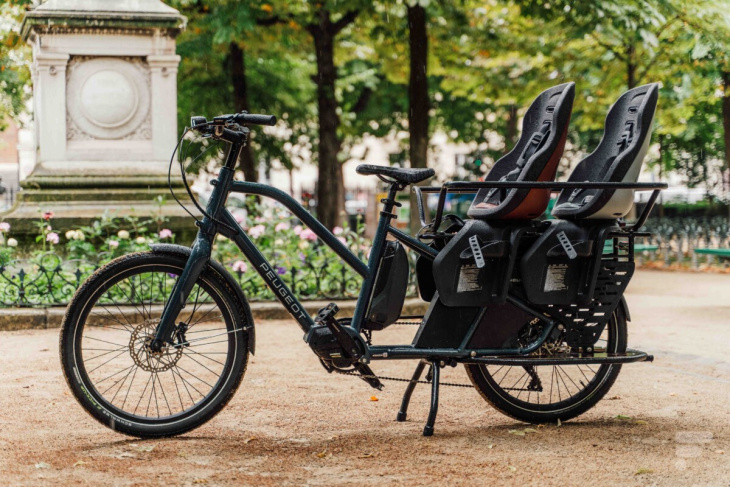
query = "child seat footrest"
x=585 y=323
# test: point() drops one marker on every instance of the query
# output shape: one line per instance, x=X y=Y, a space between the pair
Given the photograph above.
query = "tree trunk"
x=511 y=137
x=240 y=102
x=662 y=139
x=630 y=66
x=330 y=189
x=726 y=127
x=417 y=98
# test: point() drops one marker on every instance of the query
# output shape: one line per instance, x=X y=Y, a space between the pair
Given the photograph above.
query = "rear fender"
x=217 y=267
x=625 y=308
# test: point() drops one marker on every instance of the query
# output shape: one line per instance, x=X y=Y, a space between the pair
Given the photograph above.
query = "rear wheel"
x=546 y=393
x=110 y=367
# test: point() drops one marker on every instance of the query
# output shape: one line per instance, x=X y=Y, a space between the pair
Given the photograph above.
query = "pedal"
x=346 y=350
x=326 y=313
x=326 y=317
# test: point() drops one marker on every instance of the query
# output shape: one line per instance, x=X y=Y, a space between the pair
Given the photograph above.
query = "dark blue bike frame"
x=224 y=223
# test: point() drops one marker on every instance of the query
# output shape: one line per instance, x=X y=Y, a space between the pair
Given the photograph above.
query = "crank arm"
x=368 y=376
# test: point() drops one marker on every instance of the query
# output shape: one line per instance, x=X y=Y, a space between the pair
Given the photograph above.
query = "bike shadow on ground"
x=253 y=443
x=128 y=440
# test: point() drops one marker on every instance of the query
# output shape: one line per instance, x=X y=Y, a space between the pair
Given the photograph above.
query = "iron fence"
x=49 y=280
x=677 y=241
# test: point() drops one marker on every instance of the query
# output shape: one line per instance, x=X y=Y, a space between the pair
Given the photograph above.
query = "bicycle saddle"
x=402 y=175
x=617 y=158
x=534 y=158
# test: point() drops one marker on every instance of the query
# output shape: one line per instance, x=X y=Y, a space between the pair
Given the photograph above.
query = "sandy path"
x=292 y=424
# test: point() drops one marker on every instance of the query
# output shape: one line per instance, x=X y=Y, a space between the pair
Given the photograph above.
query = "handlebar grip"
x=255 y=119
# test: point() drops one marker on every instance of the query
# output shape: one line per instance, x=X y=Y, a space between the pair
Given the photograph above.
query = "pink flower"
x=308 y=234
x=113 y=244
x=366 y=249
x=4 y=227
x=239 y=218
x=260 y=219
x=342 y=239
x=239 y=266
x=298 y=229
x=282 y=226
x=337 y=230
x=256 y=231
x=52 y=237
x=47 y=215
x=165 y=233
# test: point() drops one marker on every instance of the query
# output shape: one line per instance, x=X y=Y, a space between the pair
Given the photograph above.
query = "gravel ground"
x=666 y=423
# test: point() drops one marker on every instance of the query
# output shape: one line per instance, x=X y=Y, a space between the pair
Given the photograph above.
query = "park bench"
x=608 y=247
x=721 y=253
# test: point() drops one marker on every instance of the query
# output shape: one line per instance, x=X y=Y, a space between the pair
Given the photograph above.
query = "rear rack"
x=469 y=187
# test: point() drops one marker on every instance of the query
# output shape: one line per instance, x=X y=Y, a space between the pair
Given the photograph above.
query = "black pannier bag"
x=424 y=265
x=389 y=292
x=445 y=326
x=475 y=267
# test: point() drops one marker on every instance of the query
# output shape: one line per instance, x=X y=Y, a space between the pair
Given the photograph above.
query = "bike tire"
x=563 y=410
x=99 y=286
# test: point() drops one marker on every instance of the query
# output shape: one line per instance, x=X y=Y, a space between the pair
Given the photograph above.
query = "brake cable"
x=185 y=181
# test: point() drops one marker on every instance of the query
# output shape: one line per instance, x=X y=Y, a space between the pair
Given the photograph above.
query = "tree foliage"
x=14 y=60
x=335 y=71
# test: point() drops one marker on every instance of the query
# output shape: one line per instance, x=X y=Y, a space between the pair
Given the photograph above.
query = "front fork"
x=198 y=260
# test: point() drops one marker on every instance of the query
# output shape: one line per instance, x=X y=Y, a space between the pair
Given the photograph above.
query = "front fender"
x=217 y=267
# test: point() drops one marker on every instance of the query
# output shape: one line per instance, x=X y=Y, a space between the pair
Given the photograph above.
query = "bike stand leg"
x=409 y=391
x=435 y=371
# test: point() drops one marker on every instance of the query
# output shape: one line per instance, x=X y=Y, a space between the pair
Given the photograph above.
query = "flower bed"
x=50 y=273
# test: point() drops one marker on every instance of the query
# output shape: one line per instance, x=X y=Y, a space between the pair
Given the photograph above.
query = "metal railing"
x=48 y=280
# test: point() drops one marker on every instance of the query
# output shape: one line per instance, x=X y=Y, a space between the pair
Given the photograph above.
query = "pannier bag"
x=448 y=327
x=389 y=291
x=475 y=267
x=499 y=327
x=424 y=265
x=560 y=267
x=445 y=326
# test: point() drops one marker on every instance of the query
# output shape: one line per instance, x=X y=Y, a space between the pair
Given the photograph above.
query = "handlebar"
x=255 y=119
x=201 y=124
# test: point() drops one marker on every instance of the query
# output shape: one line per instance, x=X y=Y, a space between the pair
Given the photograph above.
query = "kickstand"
x=403 y=413
x=435 y=372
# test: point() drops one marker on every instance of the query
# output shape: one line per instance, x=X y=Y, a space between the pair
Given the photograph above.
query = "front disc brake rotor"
x=144 y=358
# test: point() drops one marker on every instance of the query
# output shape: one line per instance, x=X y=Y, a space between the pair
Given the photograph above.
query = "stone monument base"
x=89 y=193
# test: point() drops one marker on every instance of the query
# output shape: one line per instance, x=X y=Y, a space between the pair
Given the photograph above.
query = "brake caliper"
x=180 y=335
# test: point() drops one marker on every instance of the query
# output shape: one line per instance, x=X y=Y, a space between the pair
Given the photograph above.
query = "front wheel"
x=547 y=393
x=110 y=367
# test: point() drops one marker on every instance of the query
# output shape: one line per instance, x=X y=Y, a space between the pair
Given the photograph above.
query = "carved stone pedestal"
x=105 y=104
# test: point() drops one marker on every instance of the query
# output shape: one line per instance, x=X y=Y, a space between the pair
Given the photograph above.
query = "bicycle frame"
x=224 y=223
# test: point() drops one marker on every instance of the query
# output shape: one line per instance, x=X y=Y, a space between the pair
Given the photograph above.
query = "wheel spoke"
x=117 y=326
x=539 y=392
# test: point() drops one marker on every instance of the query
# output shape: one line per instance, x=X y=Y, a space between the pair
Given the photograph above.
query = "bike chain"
x=398 y=379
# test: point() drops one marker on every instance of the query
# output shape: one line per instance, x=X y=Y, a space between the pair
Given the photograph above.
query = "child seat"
x=617 y=158
x=534 y=158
